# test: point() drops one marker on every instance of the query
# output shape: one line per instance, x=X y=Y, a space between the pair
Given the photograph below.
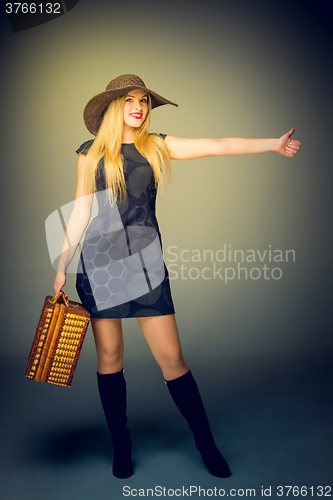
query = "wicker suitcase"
x=58 y=341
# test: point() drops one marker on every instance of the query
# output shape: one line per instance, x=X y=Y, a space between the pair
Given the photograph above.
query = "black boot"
x=112 y=390
x=185 y=393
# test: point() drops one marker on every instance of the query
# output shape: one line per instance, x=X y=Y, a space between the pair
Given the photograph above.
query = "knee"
x=110 y=357
x=173 y=366
x=172 y=360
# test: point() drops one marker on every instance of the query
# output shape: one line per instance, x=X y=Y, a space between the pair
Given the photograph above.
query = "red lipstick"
x=137 y=116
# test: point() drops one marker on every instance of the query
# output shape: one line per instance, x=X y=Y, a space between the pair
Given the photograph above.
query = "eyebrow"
x=145 y=95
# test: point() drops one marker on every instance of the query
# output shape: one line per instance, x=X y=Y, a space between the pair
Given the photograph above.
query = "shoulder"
x=162 y=136
x=84 y=148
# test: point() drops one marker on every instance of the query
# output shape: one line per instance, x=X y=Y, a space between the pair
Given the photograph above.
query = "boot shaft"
x=112 y=391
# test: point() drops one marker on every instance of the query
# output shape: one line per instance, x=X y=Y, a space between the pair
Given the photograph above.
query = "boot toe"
x=218 y=468
x=123 y=470
x=214 y=460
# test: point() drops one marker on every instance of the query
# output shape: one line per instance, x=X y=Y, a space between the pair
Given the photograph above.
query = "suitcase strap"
x=60 y=295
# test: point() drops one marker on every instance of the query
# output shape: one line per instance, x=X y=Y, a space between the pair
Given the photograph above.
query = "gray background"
x=261 y=350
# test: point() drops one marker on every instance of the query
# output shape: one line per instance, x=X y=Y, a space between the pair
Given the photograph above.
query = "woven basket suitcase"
x=58 y=341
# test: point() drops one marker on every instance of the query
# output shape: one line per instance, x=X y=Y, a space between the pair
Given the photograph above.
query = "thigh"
x=109 y=343
x=161 y=333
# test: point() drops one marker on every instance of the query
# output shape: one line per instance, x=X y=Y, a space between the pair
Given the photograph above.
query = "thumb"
x=291 y=131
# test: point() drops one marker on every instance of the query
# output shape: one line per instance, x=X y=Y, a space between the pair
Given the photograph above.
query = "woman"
x=123 y=166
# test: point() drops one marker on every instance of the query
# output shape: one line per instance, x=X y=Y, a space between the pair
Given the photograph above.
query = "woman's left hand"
x=287 y=146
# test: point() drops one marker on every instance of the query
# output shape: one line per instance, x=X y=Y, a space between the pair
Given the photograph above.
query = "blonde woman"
x=121 y=273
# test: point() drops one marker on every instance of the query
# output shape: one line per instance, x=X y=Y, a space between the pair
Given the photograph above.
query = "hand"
x=287 y=146
x=59 y=283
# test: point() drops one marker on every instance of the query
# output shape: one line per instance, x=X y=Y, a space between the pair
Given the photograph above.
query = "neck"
x=127 y=134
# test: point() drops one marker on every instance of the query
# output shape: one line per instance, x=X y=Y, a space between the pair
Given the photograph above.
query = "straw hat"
x=94 y=110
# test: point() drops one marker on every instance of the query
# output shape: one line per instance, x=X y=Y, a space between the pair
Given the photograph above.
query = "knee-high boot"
x=112 y=390
x=185 y=393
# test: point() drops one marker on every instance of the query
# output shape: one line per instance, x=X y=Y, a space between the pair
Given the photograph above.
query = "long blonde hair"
x=108 y=143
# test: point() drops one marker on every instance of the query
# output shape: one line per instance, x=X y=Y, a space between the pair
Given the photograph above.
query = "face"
x=135 y=108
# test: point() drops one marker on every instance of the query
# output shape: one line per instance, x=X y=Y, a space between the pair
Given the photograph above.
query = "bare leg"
x=109 y=342
x=162 y=336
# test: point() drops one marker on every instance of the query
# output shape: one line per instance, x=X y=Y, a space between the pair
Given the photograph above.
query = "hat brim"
x=95 y=108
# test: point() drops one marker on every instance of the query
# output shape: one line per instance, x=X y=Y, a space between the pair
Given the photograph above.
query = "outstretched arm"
x=185 y=149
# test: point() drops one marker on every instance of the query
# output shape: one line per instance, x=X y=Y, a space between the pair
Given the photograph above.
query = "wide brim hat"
x=96 y=107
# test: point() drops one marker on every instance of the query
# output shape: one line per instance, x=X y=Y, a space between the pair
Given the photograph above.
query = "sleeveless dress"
x=121 y=272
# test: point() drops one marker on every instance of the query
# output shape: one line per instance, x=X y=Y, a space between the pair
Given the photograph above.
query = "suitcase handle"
x=57 y=297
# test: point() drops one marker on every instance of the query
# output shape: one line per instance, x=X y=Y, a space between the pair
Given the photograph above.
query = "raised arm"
x=185 y=149
x=76 y=225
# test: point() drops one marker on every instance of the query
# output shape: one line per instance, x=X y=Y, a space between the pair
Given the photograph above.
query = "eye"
x=144 y=99
x=129 y=99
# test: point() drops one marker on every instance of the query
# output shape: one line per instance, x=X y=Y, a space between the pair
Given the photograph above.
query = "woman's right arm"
x=77 y=223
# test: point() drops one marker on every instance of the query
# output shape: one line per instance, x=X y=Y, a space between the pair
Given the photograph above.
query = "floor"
x=275 y=432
